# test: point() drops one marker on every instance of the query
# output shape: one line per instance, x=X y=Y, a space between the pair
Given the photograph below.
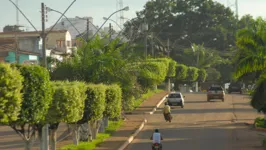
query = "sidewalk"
x=132 y=122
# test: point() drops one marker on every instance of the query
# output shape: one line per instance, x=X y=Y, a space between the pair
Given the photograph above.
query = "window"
x=174 y=96
x=216 y=88
x=58 y=43
x=68 y=44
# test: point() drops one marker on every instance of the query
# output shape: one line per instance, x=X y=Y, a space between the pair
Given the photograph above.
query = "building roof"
x=32 y=32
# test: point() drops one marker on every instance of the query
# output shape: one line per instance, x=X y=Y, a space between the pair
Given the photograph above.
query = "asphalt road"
x=203 y=125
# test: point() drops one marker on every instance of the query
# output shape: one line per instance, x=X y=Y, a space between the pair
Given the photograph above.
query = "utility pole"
x=110 y=32
x=88 y=29
x=45 y=129
x=168 y=53
x=43 y=35
x=152 y=45
x=16 y=46
x=168 y=47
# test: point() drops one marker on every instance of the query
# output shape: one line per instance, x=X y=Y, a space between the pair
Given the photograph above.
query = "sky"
x=94 y=8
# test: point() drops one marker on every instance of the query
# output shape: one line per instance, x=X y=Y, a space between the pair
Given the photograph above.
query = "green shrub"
x=181 y=72
x=68 y=102
x=113 y=101
x=94 y=103
x=172 y=68
x=192 y=74
x=202 y=75
x=259 y=122
x=37 y=93
x=10 y=93
x=152 y=73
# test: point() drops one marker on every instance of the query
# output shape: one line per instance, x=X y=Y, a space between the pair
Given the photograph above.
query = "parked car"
x=176 y=98
x=235 y=87
x=215 y=92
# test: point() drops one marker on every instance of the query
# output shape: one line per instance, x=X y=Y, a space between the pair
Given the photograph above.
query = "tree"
x=113 y=104
x=93 y=111
x=10 y=91
x=199 y=21
x=67 y=106
x=202 y=75
x=192 y=74
x=200 y=57
x=37 y=97
x=252 y=51
x=213 y=74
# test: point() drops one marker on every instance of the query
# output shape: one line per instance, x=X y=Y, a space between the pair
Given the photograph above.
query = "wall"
x=59 y=41
x=11 y=58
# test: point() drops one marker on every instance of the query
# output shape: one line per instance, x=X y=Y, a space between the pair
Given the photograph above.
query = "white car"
x=176 y=98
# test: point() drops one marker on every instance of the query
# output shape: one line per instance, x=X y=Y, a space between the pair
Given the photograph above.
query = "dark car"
x=215 y=92
x=235 y=87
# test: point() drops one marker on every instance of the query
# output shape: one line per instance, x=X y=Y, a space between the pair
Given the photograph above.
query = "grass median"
x=113 y=126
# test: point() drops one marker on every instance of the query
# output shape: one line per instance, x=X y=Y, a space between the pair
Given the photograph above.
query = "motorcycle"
x=168 y=117
x=156 y=146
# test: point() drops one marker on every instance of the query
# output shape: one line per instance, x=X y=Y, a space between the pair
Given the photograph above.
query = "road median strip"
x=131 y=138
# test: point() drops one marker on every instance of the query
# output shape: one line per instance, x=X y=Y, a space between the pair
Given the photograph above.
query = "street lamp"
x=124 y=9
x=104 y=18
x=50 y=9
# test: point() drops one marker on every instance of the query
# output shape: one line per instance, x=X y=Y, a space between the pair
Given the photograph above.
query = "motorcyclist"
x=156 y=138
x=167 y=112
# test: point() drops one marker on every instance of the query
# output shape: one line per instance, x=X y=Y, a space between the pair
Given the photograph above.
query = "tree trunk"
x=75 y=133
x=102 y=125
x=95 y=125
x=89 y=132
x=106 y=121
x=28 y=144
x=53 y=137
x=84 y=132
x=27 y=133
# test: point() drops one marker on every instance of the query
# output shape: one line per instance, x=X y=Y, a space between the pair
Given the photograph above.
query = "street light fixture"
x=50 y=9
x=124 y=9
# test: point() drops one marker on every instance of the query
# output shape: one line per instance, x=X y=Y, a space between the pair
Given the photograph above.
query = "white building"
x=80 y=25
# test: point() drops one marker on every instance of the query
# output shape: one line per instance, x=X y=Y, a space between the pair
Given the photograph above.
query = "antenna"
x=233 y=4
x=120 y=16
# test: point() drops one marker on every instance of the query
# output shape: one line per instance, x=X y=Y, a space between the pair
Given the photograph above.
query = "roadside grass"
x=144 y=97
x=264 y=144
x=113 y=126
x=259 y=122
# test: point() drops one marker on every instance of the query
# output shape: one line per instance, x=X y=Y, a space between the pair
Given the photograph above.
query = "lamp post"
x=124 y=9
x=50 y=9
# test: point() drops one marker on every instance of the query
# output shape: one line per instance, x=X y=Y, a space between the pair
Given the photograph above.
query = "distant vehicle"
x=176 y=98
x=235 y=87
x=215 y=92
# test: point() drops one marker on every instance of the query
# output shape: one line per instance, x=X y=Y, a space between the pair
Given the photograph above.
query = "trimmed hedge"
x=10 y=93
x=37 y=93
x=68 y=102
x=181 y=72
x=192 y=74
x=202 y=75
x=94 y=103
x=113 y=101
x=152 y=73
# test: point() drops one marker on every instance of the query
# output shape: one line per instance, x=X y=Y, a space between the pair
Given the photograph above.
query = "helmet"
x=156 y=130
x=165 y=103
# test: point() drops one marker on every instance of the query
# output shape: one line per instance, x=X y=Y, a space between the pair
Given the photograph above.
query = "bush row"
x=190 y=74
x=29 y=99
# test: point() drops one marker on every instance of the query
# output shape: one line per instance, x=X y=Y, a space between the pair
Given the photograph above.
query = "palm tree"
x=251 y=42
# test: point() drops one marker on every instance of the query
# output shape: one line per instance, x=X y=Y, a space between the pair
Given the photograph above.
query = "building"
x=9 y=47
x=30 y=44
x=79 y=23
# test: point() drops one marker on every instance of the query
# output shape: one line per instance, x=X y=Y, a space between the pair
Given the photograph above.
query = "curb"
x=131 y=138
x=158 y=105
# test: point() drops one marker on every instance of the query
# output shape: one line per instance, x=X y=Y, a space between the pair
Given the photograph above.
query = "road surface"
x=203 y=125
